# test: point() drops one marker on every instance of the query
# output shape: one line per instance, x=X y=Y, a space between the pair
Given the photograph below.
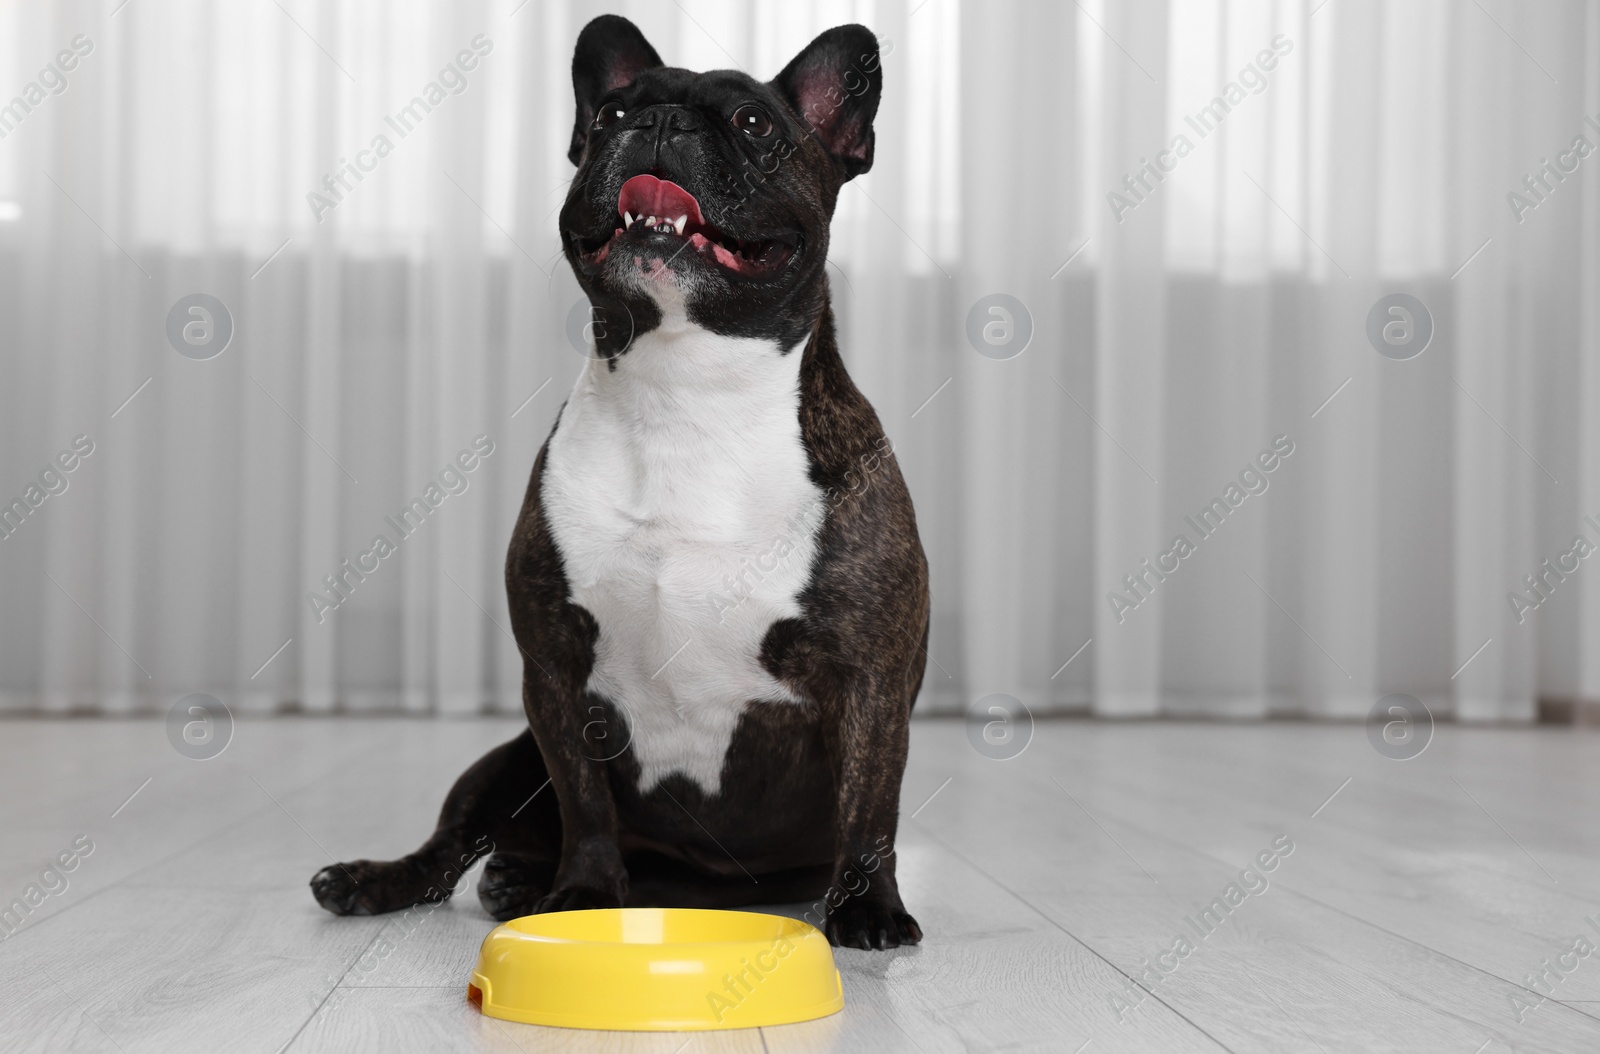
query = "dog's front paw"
x=577 y=898
x=367 y=887
x=513 y=885
x=865 y=924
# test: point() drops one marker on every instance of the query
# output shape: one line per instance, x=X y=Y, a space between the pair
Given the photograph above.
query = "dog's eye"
x=610 y=113
x=752 y=120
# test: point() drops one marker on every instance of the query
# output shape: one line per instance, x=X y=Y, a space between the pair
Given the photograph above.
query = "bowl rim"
x=781 y=927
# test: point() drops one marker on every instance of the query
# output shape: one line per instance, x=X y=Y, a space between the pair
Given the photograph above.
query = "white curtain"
x=1190 y=305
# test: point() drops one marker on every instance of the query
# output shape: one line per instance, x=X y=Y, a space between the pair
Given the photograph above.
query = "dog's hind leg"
x=502 y=805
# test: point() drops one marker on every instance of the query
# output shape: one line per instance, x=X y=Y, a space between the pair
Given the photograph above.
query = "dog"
x=715 y=581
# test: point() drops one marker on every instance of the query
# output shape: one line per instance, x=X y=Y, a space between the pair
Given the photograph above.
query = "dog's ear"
x=611 y=52
x=834 y=86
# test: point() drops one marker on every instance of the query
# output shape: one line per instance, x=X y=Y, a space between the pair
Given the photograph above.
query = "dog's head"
x=712 y=191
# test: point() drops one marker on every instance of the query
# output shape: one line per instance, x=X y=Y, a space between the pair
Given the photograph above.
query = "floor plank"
x=1408 y=916
x=1340 y=975
x=440 y=1019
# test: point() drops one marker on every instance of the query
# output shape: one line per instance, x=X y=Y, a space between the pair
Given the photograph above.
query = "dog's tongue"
x=645 y=195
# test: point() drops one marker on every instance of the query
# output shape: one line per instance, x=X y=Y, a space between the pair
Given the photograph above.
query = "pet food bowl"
x=656 y=969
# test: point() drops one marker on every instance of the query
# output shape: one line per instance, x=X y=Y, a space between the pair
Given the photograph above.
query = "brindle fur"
x=809 y=794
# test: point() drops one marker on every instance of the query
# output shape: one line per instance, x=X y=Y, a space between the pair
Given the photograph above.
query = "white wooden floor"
x=1417 y=907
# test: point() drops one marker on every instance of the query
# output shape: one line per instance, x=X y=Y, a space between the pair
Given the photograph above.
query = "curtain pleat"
x=220 y=536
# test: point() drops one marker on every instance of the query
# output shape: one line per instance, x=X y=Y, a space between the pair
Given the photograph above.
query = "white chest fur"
x=677 y=491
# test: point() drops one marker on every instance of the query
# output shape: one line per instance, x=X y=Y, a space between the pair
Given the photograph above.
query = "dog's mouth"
x=657 y=214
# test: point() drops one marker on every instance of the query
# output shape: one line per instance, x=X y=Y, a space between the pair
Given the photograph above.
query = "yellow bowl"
x=656 y=970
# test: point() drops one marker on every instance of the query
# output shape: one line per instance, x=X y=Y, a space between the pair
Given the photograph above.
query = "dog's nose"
x=668 y=123
x=667 y=118
x=681 y=120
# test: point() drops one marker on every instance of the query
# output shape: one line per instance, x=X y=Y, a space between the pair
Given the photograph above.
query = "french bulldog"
x=715 y=580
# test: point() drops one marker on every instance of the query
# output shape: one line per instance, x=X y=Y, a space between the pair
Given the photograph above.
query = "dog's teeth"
x=627 y=219
x=680 y=223
x=651 y=222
